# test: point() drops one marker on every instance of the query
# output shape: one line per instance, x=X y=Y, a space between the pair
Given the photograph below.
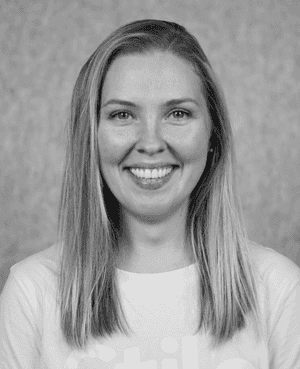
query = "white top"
x=162 y=311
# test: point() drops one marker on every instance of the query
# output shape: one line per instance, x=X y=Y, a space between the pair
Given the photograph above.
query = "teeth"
x=155 y=173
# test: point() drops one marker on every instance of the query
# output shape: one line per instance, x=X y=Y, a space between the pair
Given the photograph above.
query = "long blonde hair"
x=87 y=294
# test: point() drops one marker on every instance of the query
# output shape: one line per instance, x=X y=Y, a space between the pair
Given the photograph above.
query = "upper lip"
x=151 y=165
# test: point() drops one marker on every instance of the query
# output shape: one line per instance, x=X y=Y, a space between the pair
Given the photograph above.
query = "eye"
x=181 y=111
x=113 y=115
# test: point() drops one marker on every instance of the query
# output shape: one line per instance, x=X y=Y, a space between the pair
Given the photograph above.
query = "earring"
x=211 y=150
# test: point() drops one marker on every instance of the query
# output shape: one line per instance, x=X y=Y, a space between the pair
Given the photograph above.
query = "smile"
x=151 y=179
x=151 y=173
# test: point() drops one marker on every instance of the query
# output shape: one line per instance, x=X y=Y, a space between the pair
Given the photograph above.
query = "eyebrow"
x=167 y=103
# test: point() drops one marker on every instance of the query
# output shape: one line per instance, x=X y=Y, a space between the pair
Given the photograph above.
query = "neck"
x=156 y=245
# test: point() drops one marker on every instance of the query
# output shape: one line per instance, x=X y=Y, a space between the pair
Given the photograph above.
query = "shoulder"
x=276 y=271
x=38 y=270
x=24 y=300
x=30 y=283
x=279 y=296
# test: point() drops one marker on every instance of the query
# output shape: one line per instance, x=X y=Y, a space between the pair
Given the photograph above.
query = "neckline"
x=178 y=270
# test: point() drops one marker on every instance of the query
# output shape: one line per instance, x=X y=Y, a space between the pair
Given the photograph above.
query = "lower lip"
x=151 y=184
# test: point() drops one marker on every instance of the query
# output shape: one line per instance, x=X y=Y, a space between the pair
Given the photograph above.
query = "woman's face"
x=150 y=131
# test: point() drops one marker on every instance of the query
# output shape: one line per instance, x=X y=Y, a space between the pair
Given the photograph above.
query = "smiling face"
x=152 y=132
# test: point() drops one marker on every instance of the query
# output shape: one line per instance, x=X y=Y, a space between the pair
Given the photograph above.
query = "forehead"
x=152 y=76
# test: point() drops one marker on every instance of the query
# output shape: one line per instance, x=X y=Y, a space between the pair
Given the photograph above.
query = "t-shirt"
x=162 y=311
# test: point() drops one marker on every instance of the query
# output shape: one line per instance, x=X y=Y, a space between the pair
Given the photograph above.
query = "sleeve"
x=20 y=313
x=284 y=343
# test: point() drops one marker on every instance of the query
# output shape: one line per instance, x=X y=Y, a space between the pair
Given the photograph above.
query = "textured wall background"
x=255 y=49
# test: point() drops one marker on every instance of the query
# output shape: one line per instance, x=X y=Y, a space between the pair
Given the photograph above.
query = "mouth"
x=152 y=179
x=151 y=173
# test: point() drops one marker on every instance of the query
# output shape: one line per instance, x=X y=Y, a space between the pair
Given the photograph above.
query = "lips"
x=151 y=174
x=151 y=183
x=145 y=166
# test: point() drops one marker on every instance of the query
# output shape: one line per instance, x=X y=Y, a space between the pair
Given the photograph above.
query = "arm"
x=20 y=313
x=284 y=343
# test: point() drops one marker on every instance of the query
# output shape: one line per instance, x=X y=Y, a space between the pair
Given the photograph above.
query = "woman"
x=154 y=268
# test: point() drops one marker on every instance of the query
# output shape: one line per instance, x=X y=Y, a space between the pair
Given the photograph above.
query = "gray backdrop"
x=255 y=49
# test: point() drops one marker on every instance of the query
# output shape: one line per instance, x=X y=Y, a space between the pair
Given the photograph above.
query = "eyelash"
x=111 y=116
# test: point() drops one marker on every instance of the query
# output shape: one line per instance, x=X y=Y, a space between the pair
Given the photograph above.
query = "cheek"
x=112 y=146
x=190 y=144
x=194 y=149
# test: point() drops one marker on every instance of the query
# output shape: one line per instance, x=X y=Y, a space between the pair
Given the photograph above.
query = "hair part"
x=87 y=295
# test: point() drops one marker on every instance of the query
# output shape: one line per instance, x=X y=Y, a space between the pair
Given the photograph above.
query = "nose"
x=150 y=138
